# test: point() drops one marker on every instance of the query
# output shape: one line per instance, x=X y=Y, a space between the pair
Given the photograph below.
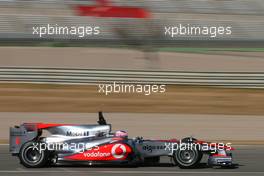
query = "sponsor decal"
x=105 y=152
x=77 y=133
x=118 y=151
x=97 y=154
x=150 y=148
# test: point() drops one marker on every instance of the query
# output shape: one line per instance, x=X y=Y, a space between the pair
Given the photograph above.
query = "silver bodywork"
x=95 y=136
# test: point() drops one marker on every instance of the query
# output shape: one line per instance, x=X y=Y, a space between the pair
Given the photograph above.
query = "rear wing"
x=19 y=135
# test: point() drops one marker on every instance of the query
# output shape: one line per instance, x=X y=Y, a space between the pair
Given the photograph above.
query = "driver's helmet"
x=121 y=133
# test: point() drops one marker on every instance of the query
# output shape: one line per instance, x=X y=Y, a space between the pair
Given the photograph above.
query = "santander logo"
x=118 y=151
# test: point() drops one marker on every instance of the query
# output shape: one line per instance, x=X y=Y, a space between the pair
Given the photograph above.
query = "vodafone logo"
x=118 y=151
x=96 y=154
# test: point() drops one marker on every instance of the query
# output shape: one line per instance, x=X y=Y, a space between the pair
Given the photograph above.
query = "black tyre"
x=188 y=156
x=193 y=140
x=31 y=156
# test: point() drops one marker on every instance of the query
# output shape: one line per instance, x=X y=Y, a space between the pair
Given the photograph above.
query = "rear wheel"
x=31 y=156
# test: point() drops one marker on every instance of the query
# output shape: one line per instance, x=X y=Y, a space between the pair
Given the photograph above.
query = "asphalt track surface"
x=248 y=161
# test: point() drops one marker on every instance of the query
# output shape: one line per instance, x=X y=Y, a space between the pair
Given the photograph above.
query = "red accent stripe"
x=18 y=141
x=35 y=126
x=219 y=155
x=49 y=125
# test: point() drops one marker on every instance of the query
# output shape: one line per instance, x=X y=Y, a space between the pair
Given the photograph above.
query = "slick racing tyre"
x=31 y=156
x=188 y=156
x=193 y=140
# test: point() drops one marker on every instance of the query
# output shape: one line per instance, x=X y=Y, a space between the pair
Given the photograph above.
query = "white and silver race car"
x=91 y=144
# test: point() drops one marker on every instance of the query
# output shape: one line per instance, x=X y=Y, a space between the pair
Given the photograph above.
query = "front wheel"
x=188 y=156
x=31 y=156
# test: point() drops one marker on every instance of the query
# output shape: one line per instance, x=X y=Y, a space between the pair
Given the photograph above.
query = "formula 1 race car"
x=90 y=144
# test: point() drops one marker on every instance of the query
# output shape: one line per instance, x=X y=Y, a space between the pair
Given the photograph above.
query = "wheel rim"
x=32 y=155
x=187 y=156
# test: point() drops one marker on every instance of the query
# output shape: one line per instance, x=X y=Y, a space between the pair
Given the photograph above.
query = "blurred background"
x=17 y=18
x=221 y=77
